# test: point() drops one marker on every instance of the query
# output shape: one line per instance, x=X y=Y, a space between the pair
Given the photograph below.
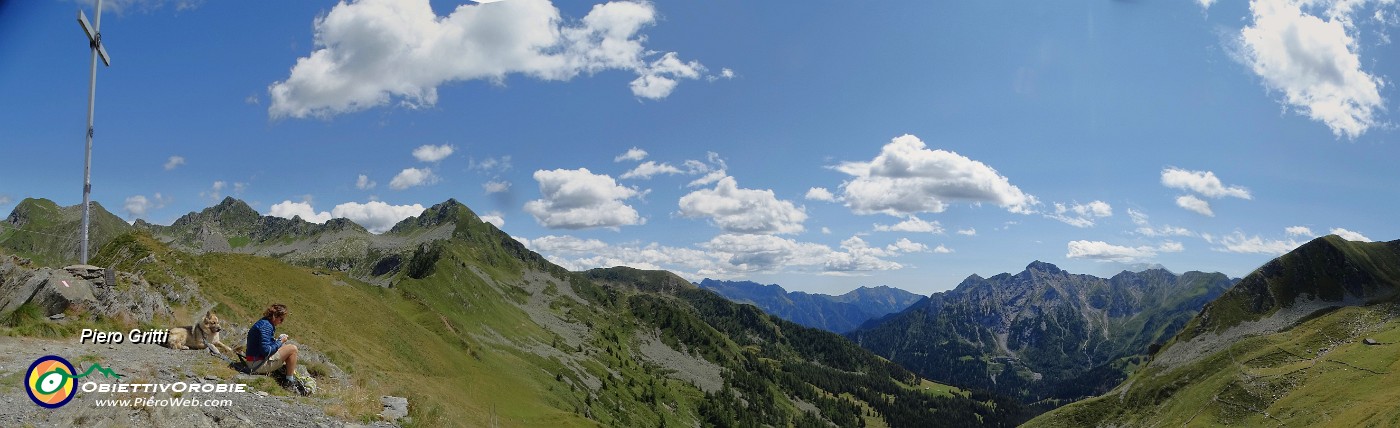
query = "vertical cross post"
x=98 y=50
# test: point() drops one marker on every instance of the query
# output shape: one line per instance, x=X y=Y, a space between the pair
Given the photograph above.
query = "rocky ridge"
x=1043 y=333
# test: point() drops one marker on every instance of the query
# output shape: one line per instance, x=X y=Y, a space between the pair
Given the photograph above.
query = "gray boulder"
x=44 y=287
x=394 y=407
x=57 y=291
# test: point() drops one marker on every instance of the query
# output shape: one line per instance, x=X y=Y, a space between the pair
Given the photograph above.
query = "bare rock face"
x=394 y=407
x=60 y=291
x=81 y=288
x=93 y=274
x=53 y=290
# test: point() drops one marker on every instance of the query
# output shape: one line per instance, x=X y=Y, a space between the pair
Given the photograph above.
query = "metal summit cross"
x=98 y=50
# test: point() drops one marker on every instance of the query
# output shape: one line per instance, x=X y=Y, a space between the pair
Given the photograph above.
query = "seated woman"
x=266 y=355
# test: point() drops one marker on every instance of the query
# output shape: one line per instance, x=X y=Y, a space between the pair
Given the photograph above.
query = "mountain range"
x=831 y=313
x=1043 y=333
x=475 y=329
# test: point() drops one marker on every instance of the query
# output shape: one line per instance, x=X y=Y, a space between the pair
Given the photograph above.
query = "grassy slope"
x=1327 y=268
x=419 y=340
x=49 y=234
x=1317 y=372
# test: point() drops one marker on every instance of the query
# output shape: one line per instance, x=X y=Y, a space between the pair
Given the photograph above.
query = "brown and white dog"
x=195 y=336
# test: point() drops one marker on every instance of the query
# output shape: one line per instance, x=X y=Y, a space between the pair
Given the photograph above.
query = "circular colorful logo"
x=50 y=381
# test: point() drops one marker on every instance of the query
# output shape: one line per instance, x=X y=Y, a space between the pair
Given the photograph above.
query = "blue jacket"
x=262 y=339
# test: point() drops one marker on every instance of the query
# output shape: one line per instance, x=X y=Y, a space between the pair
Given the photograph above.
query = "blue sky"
x=821 y=147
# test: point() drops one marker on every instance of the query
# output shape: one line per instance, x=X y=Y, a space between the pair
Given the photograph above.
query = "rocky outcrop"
x=84 y=289
x=52 y=290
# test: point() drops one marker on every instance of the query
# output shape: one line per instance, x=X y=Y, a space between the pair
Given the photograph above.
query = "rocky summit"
x=1043 y=333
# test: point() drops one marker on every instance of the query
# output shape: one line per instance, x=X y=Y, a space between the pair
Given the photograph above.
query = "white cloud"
x=431 y=153
x=908 y=178
x=1202 y=182
x=820 y=194
x=660 y=78
x=136 y=206
x=650 y=168
x=911 y=224
x=375 y=52
x=1349 y=235
x=1145 y=227
x=632 y=154
x=1106 y=252
x=579 y=199
x=738 y=210
x=711 y=170
x=1195 y=204
x=725 y=256
x=1237 y=242
x=825 y=230
x=494 y=186
x=289 y=209
x=1081 y=215
x=363 y=183
x=940 y=249
x=4 y=200
x=708 y=178
x=1314 y=61
x=1205 y=4
x=968 y=232
x=1171 y=247
x=411 y=177
x=173 y=162
x=490 y=165
x=494 y=218
x=215 y=192
x=858 y=256
x=907 y=246
x=567 y=244
x=1302 y=231
x=374 y=216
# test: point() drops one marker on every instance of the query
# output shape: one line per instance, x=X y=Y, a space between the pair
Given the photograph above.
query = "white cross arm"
x=94 y=37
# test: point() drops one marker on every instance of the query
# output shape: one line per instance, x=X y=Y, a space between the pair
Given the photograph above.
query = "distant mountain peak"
x=832 y=313
x=447 y=212
x=230 y=212
x=1039 y=266
x=49 y=233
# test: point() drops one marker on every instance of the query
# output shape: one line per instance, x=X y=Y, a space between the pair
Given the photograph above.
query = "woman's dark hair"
x=276 y=310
